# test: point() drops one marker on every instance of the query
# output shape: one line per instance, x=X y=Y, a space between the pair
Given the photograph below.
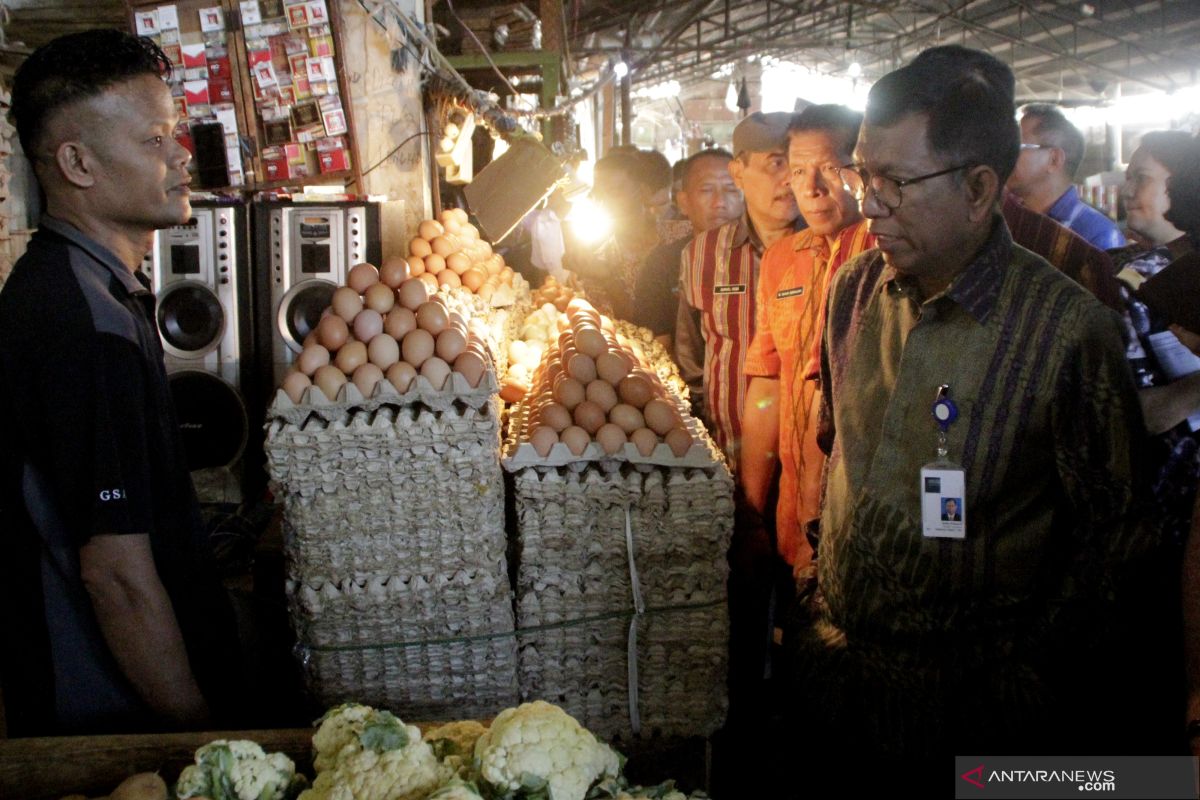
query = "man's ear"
x=1058 y=157
x=75 y=163
x=683 y=202
x=983 y=192
x=736 y=168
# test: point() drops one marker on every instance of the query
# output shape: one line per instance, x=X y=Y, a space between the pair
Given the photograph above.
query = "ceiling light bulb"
x=620 y=69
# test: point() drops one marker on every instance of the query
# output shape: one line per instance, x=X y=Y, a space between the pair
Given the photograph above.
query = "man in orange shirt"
x=780 y=418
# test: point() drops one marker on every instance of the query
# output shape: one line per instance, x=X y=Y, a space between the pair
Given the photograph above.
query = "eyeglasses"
x=834 y=175
x=1033 y=146
x=887 y=191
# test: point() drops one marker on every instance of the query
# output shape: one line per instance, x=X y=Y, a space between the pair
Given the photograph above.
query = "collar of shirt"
x=1066 y=207
x=744 y=233
x=977 y=287
x=133 y=282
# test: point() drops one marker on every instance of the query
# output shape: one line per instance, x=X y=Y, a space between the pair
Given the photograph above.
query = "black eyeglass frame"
x=860 y=193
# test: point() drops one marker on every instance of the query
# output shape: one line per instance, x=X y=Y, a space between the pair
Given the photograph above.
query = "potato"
x=143 y=786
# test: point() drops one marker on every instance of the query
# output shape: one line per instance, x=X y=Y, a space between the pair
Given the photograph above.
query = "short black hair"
x=655 y=171
x=1179 y=154
x=76 y=67
x=1057 y=131
x=842 y=122
x=967 y=96
x=689 y=163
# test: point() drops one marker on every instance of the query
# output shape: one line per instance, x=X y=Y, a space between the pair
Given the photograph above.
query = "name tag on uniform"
x=730 y=288
x=943 y=506
x=799 y=290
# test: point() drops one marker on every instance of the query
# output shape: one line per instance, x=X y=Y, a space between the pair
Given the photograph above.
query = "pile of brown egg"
x=451 y=253
x=591 y=386
x=383 y=325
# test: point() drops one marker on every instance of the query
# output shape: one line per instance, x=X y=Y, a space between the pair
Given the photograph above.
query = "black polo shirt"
x=89 y=445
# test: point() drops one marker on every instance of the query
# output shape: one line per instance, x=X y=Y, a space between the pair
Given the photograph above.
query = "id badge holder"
x=943 y=486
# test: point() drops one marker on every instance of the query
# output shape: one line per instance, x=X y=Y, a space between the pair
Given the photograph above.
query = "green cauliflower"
x=366 y=754
x=537 y=750
x=454 y=744
x=457 y=790
x=238 y=770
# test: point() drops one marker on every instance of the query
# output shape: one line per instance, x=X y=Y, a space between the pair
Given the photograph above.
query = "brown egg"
x=393 y=271
x=588 y=416
x=492 y=267
x=417 y=347
x=419 y=247
x=626 y=417
x=436 y=371
x=611 y=367
x=383 y=351
x=366 y=378
x=450 y=344
x=311 y=359
x=611 y=438
x=350 y=357
x=660 y=416
x=380 y=297
x=511 y=390
x=442 y=246
x=569 y=392
x=332 y=332
x=473 y=278
x=635 y=390
x=576 y=439
x=346 y=303
x=485 y=293
x=430 y=281
x=447 y=278
x=434 y=264
x=416 y=266
x=329 y=379
x=485 y=248
x=296 y=383
x=543 y=437
x=413 y=292
x=458 y=262
x=582 y=368
x=602 y=394
x=430 y=229
x=468 y=231
x=369 y=323
x=450 y=221
x=645 y=440
x=679 y=440
x=398 y=322
x=362 y=276
x=556 y=416
x=471 y=366
x=401 y=375
x=310 y=340
x=432 y=317
x=590 y=342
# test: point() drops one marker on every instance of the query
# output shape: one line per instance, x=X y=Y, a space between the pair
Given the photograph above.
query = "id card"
x=943 y=501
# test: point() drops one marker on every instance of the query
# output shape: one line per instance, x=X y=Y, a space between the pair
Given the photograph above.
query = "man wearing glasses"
x=952 y=358
x=1051 y=152
x=780 y=419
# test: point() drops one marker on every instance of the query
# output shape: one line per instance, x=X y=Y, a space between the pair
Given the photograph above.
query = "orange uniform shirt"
x=793 y=280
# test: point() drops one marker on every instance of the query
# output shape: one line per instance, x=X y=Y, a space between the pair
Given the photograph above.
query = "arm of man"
x=760 y=441
x=1164 y=407
x=139 y=626
x=689 y=338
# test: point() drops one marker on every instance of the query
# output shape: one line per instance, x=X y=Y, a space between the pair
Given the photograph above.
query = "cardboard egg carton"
x=420 y=391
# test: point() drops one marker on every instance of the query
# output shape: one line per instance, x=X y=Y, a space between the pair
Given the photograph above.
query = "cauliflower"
x=618 y=789
x=538 y=750
x=366 y=754
x=454 y=744
x=238 y=770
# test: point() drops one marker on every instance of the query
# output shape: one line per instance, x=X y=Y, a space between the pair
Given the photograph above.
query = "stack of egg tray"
x=621 y=591
x=395 y=547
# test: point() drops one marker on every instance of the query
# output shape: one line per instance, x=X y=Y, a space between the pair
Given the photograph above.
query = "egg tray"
x=381 y=608
x=577 y=532
x=441 y=679
x=659 y=360
x=349 y=398
x=682 y=665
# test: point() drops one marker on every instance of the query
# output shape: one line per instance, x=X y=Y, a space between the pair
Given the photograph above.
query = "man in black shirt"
x=708 y=198
x=113 y=619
